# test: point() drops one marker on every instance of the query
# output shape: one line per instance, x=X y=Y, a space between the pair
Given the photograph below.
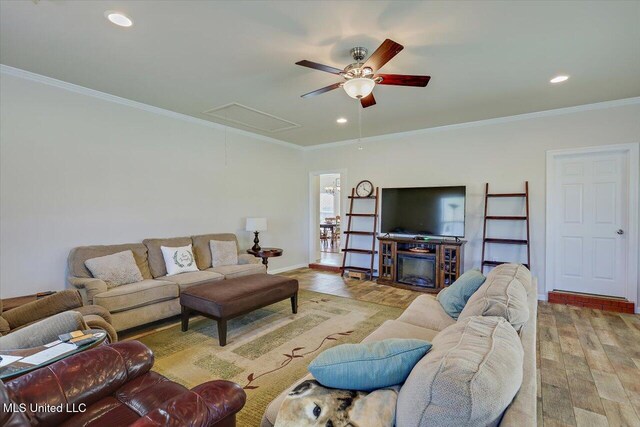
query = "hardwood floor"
x=588 y=360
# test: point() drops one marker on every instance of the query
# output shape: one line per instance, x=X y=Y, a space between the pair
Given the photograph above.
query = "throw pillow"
x=223 y=252
x=368 y=366
x=454 y=297
x=115 y=269
x=311 y=404
x=179 y=260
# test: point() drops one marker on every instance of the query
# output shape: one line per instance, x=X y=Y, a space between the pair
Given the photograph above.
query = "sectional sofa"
x=493 y=341
x=157 y=296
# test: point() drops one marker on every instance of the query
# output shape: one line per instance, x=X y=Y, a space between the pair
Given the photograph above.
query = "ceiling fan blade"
x=403 y=80
x=321 y=67
x=322 y=90
x=368 y=101
x=383 y=54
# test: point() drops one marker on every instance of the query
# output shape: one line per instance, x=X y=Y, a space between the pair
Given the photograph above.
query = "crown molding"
x=486 y=122
x=17 y=72
x=28 y=75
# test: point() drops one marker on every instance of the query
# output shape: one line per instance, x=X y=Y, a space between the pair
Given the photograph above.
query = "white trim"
x=313 y=229
x=289 y=268
x=17 y=72
x=27 y=75
x=633 y=157
x=486 y=122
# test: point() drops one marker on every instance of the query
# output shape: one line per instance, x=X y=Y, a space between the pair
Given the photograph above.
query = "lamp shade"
x=359 y=87
x=256 y=224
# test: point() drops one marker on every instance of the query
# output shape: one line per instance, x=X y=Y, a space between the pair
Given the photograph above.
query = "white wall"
x=505 y=154
x=78 y=170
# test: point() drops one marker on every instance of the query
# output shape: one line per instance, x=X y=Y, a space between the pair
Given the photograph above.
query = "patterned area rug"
x=268 y=349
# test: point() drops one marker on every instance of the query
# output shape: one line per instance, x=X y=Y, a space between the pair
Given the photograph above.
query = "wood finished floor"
x=588 y=360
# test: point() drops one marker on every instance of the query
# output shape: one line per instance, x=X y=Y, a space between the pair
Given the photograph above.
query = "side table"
x=265 y=254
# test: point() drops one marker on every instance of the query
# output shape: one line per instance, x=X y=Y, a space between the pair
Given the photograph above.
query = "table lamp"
x=256 y=225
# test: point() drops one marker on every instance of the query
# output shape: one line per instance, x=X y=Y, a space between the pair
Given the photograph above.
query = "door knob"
x=620 y=231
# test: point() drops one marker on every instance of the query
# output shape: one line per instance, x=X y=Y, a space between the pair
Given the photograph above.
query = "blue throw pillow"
x=368 y=366
x=455 y=296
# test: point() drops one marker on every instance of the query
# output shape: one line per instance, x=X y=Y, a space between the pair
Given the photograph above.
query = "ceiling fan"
x=360 y=77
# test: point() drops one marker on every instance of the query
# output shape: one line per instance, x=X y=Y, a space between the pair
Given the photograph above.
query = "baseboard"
x=620 y=305
x=324 y=267
x=285 y=269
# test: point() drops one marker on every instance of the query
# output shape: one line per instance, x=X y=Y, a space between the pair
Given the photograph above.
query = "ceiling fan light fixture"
x=359 y=87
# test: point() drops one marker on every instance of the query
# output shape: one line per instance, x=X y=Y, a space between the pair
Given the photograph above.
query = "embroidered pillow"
x=115 y=269
x=179 y=260
x=223 y=252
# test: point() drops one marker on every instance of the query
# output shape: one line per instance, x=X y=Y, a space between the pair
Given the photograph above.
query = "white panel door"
x=589 y=214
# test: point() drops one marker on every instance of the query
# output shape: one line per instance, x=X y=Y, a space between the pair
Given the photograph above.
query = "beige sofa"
x=425 y=318
x=157 y=296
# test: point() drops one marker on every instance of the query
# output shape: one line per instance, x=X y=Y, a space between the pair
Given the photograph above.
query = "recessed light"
x=360 y=148
x=341 y=120
x=559 y=79
x=118 y=18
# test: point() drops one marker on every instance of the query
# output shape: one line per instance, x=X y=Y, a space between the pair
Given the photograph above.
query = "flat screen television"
x=424 y=211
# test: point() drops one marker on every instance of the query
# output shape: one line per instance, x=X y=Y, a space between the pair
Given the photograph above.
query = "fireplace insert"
x=417 y=270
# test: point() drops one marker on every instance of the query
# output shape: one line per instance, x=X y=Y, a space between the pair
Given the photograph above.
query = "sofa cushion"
x=184 y=280
x=79 y=255
x=231 y=271
x=469 y=377
x=115 y=269
x=426 y=312
x=201 y=248
x=398 y=329
x=178 y=260
x=454 y=297
x=503 y=294
x=134 y=295
x=156 y=260
x=368 y=366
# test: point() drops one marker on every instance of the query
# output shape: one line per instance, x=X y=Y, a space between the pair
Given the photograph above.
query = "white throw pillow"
x=223 y=252
x=115 y=269
x=179 y=260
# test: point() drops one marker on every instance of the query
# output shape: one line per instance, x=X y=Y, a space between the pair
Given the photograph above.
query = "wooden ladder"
x=349 y=232
x=485 y=239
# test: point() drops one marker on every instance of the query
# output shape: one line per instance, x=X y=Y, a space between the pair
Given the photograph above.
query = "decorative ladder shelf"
x=349 y=232
x=486 y=240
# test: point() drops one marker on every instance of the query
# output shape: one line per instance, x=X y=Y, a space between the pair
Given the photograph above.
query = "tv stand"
x=415 y=263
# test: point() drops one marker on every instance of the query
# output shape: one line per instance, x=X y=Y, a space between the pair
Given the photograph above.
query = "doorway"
x=592 y=221
x=326 y=220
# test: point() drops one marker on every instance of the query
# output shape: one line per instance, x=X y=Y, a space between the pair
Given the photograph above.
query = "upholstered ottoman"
x=225 y=299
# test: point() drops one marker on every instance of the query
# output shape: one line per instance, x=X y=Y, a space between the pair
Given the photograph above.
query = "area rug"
x=268 y=349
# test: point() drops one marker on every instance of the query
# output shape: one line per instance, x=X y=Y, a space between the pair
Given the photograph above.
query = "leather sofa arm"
x=209 y=404
x=45 y=307
x=91 y=286
x=248 y=259
x=82 y=378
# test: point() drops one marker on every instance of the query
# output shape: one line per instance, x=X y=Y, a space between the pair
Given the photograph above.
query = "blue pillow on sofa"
x=368 y=366
x=454 y=297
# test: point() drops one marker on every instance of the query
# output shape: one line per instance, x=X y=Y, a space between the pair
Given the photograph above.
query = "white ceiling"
x=486 y=59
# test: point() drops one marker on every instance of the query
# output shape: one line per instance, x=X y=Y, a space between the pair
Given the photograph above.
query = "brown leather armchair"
x=114 y=386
